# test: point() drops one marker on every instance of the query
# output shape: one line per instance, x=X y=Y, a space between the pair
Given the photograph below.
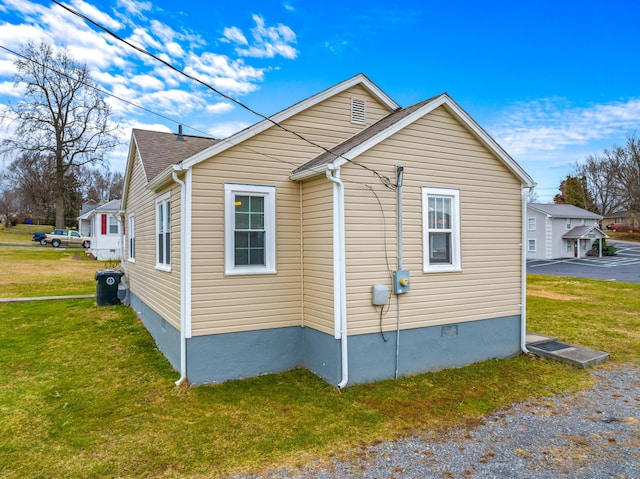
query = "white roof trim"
x=452 y=106
x=261 y=126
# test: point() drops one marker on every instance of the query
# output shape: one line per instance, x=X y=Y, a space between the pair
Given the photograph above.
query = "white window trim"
x=531 y=223
x=529 y=244
x=131 y=235
x=117 y=225
x=162 y=199
x=456 y=263
x=269 y=194
x=568 y=223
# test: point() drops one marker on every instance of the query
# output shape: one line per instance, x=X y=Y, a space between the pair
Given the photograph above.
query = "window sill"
x=247 y=271
x=442 y=269
x=163 y=267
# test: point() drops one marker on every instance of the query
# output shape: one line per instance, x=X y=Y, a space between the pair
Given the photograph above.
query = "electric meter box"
x=401 y=281
x=379 y=294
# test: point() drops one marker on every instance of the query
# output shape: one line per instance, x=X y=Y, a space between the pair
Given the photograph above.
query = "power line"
x=104 y=92
x=385 y=181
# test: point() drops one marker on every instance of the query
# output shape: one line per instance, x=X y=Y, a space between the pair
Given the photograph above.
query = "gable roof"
x=93 y=209
x=159 y=150
x=359 y=79
x=394 y=122
x=563 y=211
x=583 y=231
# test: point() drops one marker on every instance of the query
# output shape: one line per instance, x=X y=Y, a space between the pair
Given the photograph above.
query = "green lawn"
x=85 y=393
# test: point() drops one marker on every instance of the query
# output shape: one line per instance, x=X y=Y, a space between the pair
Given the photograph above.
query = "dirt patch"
x=76 y=257
x=553 y=295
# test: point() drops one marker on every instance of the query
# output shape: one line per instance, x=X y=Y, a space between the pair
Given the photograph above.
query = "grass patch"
x=46 y=271
x=602 y=315
x=86 y=394
x=21 y=233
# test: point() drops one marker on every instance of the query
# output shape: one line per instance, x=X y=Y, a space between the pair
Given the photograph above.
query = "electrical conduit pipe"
x=339 y=271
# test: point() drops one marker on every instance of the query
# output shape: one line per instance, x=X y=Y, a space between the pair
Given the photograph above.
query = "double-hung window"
x=250 y=229
x=132 y=237
x=441 y=229
x=163 y=232
x=113 y=225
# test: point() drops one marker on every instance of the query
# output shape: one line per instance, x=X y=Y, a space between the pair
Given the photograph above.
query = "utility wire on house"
x=385 y=180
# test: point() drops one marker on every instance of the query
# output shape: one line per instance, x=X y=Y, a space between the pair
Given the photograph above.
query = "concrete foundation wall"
x=222 y=357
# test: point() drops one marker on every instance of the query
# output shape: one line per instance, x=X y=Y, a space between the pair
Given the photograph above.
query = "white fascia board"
x=317 y=170
x=460 y=114
x=133 y=147
x=163 y=178
x=263 y=125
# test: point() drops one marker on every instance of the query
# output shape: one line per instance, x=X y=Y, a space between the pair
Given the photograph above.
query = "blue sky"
x=551 y=81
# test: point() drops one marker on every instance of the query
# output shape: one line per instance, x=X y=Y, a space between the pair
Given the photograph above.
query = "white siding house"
x=104 y=225
x=560 y=231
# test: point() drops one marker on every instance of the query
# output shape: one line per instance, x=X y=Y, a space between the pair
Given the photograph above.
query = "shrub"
x=607 y=249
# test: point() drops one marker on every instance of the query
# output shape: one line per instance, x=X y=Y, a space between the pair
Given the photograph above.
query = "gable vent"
x=357 y=111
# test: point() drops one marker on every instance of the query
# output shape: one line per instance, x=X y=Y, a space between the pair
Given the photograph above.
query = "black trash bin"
x=107 y=286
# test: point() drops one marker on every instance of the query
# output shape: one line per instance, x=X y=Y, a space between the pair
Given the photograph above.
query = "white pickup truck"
x=67 y=238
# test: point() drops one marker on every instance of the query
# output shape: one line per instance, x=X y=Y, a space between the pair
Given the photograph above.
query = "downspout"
x=339 y=271
x=183 y=316
x=526 y=192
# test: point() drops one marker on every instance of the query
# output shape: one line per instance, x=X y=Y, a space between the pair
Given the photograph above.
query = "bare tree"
x=62 y=115
x=629 y=173
x=601 y=174
x=33 y=179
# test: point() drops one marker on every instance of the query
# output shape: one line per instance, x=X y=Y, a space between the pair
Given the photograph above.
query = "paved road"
x=625 y=266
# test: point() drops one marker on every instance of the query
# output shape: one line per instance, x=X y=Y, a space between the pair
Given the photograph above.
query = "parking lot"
x=625 y=266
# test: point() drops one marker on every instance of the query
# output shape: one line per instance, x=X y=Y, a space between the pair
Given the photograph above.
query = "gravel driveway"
x=591 y=434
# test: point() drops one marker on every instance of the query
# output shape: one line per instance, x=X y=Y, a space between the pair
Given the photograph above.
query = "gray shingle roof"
x=340 y=149
x=581 y=231
x=564 y=211
x=159 y=150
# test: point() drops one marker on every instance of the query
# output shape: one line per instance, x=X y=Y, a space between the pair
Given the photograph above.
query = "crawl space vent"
x=357 y=111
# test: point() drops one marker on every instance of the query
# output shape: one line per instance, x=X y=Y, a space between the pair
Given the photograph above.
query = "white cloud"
x=133 y=7
x=96 y=15
x=552 y=124
x=225 y=130
x=231 y=76
x=268 y=41
x=234 y=35
x=219 y=108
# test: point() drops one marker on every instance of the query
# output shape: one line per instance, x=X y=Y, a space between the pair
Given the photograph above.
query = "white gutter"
x=526 y=192
x=183 y=286
x=339 y=271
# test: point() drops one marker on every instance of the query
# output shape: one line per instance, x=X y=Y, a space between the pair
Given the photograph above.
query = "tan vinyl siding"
x=160 y=290
x=436 y=151
x=222 y=303
x=318 y=254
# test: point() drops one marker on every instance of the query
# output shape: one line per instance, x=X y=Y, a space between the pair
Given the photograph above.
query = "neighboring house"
x=265 y=251
x=561 y=231
x=620 y=218
x=103 y=223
